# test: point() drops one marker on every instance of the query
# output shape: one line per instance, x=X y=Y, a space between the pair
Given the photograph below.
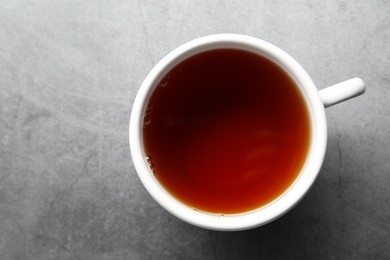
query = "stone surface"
x=69 y=73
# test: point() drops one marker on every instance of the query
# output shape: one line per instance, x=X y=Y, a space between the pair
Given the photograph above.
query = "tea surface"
x=226 y=131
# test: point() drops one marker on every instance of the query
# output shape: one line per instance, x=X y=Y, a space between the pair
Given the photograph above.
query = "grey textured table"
x=69 y=73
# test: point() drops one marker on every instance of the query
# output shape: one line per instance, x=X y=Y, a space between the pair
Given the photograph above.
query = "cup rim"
x=285 y=201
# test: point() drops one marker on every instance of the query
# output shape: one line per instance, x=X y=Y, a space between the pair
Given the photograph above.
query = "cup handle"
x=342 y=91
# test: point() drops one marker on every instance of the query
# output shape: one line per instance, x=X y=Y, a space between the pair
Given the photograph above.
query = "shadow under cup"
x=228 y=134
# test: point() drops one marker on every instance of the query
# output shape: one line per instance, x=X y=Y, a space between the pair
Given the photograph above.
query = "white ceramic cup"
x=316 y=101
